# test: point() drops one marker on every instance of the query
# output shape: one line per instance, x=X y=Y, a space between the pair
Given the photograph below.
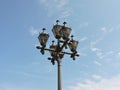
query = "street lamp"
x=73 y=46
x=56 y=30
x=43 y=38
x=61 y=33
x=65 y=31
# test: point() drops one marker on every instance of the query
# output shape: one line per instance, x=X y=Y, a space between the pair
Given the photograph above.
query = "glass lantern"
x=43 y=38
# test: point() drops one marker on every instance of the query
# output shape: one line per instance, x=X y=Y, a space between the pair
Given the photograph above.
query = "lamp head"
x=43 y=38
x=73 y=44
x=56 y=30
x=65 y=31
x=53 y=47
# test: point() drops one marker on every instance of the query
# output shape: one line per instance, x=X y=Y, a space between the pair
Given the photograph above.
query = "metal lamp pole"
x=59 y=74
x=61 y=33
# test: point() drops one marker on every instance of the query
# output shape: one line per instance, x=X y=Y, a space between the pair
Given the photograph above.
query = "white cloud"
x=93 y=44
x=109 y=52
x=62 y=3
x=106 y=30
x=16 y=87
x=98 y=51
x=103 y=84
x=59 y=7
x=100 y=54
x=82 y=25
x=64 y=14
x=83 y=54
x=30 y=75
x=59 y=4
x=97 y=63
x=94 y=49
x=33 y=31
x=83 y=39
x=118 y=53
x=96 y=77
x=118 y=27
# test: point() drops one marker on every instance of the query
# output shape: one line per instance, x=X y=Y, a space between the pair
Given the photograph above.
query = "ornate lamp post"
x=61 y=33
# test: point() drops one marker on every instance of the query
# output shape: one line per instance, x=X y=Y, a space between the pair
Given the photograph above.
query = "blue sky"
x=95 y=24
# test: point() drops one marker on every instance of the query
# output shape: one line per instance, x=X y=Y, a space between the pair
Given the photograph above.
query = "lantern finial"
x=64 y=23
x=57 y=21
x=72 y=37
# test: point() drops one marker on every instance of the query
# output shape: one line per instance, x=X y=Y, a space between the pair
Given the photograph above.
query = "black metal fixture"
x=43 y=38
x=61 y=33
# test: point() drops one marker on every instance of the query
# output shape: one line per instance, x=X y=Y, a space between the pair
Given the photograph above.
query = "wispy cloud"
x=103 y=84
x=64 y=14
x=94 y=49
x=82 y=54
x=96 y=77
x=107 y=30
x=97 y=63
x=62 y=3
x=118 y=27
x=83 y=39
x=95 y=44
x=118 y=53
x=59 y=7
x=59 y=4
x=7 y=86
x=82 y=25
x=33 y=31
x=30 y=75
x=97 y=50
x=102 y=54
